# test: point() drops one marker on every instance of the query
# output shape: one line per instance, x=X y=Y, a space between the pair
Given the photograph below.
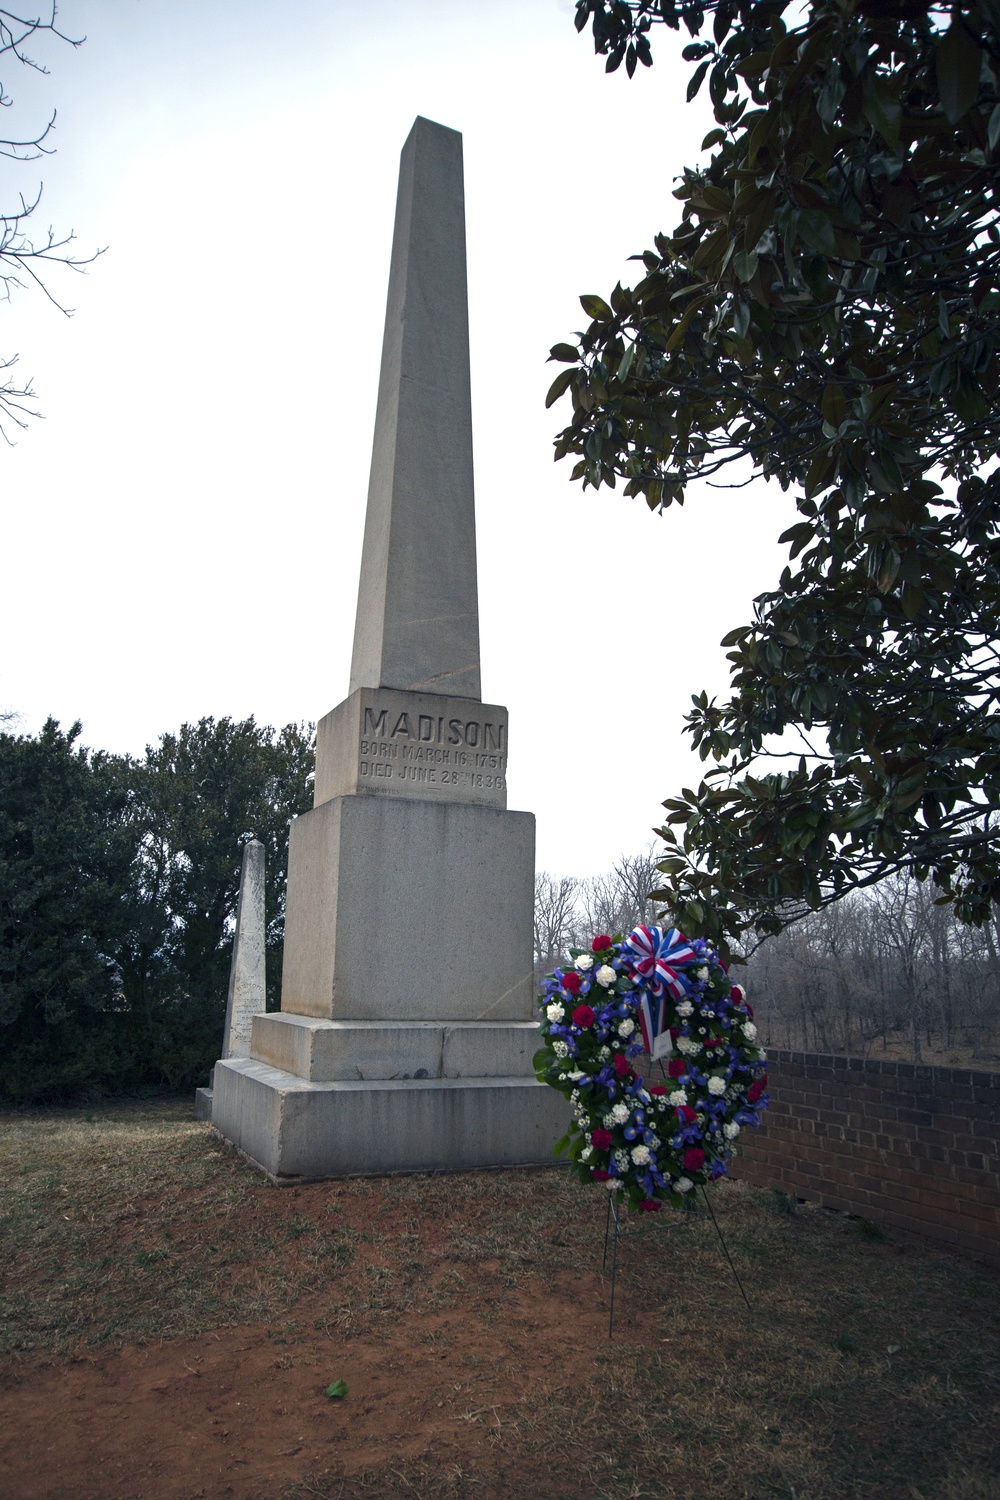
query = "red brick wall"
x=911 y=1148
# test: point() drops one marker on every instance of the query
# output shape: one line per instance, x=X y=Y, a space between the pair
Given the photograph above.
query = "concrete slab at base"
x=203 y=1104
x=352 y=1051
x=294 y=1128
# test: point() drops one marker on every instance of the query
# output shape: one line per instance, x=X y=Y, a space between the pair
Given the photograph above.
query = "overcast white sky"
x=183 y=530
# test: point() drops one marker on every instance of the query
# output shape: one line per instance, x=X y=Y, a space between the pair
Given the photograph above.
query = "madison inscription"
x=394 y=744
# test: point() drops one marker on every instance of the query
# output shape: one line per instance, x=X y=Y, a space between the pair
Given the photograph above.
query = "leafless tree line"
x=879 y=968
x=883 y=969
x=571 y=912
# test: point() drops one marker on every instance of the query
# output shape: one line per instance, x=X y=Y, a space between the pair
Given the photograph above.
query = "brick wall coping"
x=885 y=1068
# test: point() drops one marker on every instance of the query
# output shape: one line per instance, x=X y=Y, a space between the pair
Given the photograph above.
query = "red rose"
x=676 y=1067
x=571 y=982
x=658 y=1088
x=601 y=1140
x=622 y=1069
x=601 y=944
x=650 y=1206
x=675 y=1032
x=694 y=1159
x=714 y=1041
x=748 y=1008
x=599 y=1175
x=755 y=1090
x=737 y=994
x=687 y=1114
x=583 y=1016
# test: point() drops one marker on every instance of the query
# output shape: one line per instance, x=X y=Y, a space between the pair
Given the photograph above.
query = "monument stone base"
x=296 y=1129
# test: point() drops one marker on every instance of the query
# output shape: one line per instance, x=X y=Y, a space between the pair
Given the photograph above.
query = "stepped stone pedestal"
x=406 y=1030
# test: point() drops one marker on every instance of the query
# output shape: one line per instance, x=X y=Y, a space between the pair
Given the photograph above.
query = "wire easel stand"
x=725 y=1249
x=613 y=1213
x=612 y=1210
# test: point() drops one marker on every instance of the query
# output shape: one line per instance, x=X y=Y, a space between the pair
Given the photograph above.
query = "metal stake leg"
x=613 y=1206
x=607 y=1230
x=725 y=1248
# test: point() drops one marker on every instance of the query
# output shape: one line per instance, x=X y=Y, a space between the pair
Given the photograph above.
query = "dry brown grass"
x=865 y=1369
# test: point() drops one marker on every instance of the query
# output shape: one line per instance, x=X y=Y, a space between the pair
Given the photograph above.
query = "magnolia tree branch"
x=826 y=313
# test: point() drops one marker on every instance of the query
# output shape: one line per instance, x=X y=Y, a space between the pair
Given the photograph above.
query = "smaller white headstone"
x=247 y=994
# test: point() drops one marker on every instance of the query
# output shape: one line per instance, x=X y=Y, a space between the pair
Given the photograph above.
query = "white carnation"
x=606 y=976
x=749 y=1030
x=731 y=1131
x=683 y=1184
x=554 y=1011
x=641 y=1155
x=560 y=1049
x=701 y=973
x=685 y=1008
x=716 y=1085
x=761 y=1055
x=627 y=1027
x=620 y=1113
x=687 y=1045
x=677 y=1098
x=614 y=1185
x=576 y=1075
x=587 y=1151
x=585 y=961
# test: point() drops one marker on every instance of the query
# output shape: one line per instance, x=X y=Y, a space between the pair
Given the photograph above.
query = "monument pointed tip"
x=422 y=121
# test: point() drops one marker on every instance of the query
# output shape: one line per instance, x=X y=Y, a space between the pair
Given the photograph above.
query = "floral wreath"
x=655 y=992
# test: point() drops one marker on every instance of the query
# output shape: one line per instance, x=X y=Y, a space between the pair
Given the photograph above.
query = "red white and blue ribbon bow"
x=656 y=956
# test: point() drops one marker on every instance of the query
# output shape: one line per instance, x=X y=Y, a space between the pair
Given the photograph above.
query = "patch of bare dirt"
x=242 y=1412
x=172 y=1323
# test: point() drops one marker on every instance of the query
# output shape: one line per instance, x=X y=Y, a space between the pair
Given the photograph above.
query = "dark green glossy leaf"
x=595 y=307
x=561 y=384
x=957 y=63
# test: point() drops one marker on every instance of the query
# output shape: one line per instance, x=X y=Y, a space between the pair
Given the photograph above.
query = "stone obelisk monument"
x=406 y=1031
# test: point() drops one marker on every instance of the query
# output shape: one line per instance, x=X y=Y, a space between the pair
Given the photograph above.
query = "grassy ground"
x=476 y=1304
